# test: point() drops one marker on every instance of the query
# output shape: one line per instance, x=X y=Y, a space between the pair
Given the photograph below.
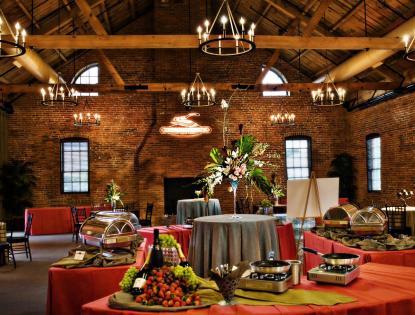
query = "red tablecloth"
x=326 y=246
x=380 y=290
x=182 y=235
x=53 y=220
x=69 y=289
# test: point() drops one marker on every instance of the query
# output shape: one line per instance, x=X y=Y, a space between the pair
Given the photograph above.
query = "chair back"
x=149 y=211
x=396 y=218
x=131 y=207
x=78 y=215
x=28 y=226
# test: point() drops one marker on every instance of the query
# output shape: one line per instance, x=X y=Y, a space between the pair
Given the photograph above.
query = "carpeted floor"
x=23 y=290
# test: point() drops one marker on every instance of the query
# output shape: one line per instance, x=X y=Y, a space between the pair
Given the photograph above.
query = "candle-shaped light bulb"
x=406 y=40
x=24 y=34
x=224 y=20
x=253 y=30
x=183 y=95
x=88 y=116
x=199 y=31
x=242 y=22
x=17 y=26
x=1 y=24
x=207 y=26
x=80 y=117
x=43 y=92
x=213 y=93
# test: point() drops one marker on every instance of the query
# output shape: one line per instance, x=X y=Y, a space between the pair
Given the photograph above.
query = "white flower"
x=235 y=153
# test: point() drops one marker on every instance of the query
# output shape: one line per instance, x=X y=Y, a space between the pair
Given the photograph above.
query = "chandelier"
x=86 y=119
x=16 y=48
x=59 y=94
x=197 y=95
x=329 y=95
x=409 y=53
x=283 y=118
x=231 y=42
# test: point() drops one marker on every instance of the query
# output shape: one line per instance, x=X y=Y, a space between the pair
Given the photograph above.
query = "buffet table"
x=69 y=289
x=380 y=290
x=195 y=208
x=326 y=246
x=222 y=239
x=181 y=234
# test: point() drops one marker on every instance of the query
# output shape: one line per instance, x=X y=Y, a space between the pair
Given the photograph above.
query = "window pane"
x=272 y=77
x=374 y=163
x=74 y=159
x=88 y=76
x=297 y=161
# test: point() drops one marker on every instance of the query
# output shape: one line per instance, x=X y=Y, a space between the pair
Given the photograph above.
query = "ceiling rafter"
x=178 y=86
x=106 y=17
x=183 y=41
x=347 y=16
x=99 y=30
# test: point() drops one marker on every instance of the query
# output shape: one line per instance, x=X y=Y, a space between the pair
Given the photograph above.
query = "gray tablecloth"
x=221 y=239
x=195 y=208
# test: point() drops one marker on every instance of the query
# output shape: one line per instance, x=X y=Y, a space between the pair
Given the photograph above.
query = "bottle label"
x=139 y=283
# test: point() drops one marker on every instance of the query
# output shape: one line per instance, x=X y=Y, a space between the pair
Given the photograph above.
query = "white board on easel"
x=328 y=189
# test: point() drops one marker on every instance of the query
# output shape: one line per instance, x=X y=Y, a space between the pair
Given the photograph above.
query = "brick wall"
x=393 y=121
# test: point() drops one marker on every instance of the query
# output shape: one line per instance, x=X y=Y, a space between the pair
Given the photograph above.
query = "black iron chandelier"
x=231 y=42
x=9 y=48
x=198 y=95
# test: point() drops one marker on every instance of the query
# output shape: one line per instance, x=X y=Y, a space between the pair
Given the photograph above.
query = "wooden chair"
x=397 y=220
x=149 y=214
x=20 y=243
x=78 y=217
x=131 y=207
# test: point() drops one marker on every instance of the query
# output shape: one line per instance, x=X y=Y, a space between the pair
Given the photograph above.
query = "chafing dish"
x=108 y=231
x=339 y=217
x=120 y=214
x=369 y=221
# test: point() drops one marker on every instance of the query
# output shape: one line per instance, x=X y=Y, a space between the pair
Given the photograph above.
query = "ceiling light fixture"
x=231 y=42
x=59 y=94
x=409 y=52
x=329 y=94
x=198 y=95
x=86 y=119
x=283 y=118
x=16 y=48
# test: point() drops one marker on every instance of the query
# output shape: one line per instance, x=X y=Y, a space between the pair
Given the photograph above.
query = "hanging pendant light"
x=85 y=118
x=329 y=94
x=198 y=95
x=232 y=41
x=283 y=118
x=59 y=94
x=15 y=48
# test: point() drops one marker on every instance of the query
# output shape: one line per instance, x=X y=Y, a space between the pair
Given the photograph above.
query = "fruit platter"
x=168 y=288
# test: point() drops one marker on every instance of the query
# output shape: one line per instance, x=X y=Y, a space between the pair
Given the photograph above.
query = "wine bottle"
x=183 y=260
x=142 y=275
x=156 y=260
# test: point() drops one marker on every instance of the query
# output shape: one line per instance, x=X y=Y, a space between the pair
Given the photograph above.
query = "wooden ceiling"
x=305 y=18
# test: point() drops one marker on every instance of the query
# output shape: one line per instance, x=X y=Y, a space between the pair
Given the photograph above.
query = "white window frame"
x=374 y=162
x=273 y=76
x=298 y=157
x=74 y=165
x=83 y=77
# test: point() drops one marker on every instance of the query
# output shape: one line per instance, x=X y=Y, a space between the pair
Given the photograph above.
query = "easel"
x=313 y=181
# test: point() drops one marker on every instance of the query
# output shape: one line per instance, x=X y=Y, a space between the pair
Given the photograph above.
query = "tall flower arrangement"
x=113 y=194
x=242 y=161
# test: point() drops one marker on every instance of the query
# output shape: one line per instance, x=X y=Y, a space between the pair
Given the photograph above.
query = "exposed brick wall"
x=128 y=148
x=393 y=121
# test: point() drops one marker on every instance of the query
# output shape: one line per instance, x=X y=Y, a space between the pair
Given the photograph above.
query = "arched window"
x=273 y=76
x=87 y=75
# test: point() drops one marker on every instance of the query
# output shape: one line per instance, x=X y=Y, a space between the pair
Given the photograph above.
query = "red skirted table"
x=53 y=220
x=379 y=290
x=285 y=236
x=326 y=246
x=181 y=234
x=69 y=289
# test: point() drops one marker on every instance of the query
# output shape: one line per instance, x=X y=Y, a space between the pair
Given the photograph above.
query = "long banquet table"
x=326 y=246
x=222 y=239
x=379 y=290
x=69 y=289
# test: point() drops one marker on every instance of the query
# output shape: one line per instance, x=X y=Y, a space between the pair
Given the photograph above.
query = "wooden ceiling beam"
x=315 y=19
x=99 y=30
x=177 y=87
x=132 y=8
x=27 y=13
x=190 y=41
x=106 y=17
x=347 y=16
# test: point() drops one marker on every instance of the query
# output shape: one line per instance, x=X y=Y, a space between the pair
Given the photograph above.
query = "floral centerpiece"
x=239 y=162
x=113 y=194
x=277 y=190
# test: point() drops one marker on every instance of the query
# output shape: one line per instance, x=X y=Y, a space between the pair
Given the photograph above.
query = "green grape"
x=128 y=279
x=186 y=274
x=167 y=240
